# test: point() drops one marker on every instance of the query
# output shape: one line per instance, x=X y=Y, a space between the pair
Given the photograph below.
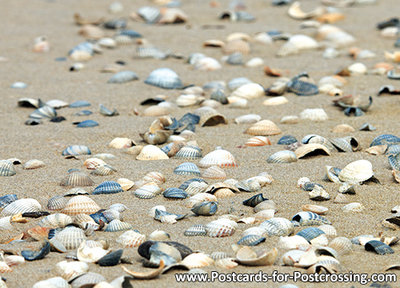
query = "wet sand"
x=48 y=79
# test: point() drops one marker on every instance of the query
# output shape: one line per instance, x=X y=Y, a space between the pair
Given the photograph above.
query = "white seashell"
x=151 y=152
x=121 y=143
x=328 y=229
x=290 y=119
x=187 y=100
x=237 y=102
x=131 y=239
x=159 y=235
x=90 y=254
x=71 y=270
x=248 y=119
x=207 y=64
x=33 y=164
x=5 y=223
x=297 y=43
x=292 y=257
x=321 y=240
x=316 y=114
x=80 y=205
x=356 y=172
x=107 y=43
x=71 y=237
x=126 y=184
x=293 y=242
x=249 y=91
x=21 y=206
x=218 y=157
x=254 y=62
x=353 y=207
x=221 y=228
x=55 y=282
x=57 y=220
x=197 y=260
x=263 y=128
x=357 y=69
x=155 y=177
x=200 y=197
x=214 y=172
x=280 y=100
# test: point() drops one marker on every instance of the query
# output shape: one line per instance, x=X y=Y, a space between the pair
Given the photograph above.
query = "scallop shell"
x=21 y=206
x=117 y=225
x=149 y=14
x=277 y=227
x=316 y=114
x=120 y=143
x=155 y=177
x=57 y=220
x=151 y=152
x=196 y=230
x=197 y=260
x=57 y=203
x=394 y=161
x=309 y=219
x=263 y=128
x=265 y=205
x=249 y=91
x=221 y=228
x=76 y=150
x=218 y=157
x=189 y=152
x=71 y=237
x=356 y=172
x=108 y=187
x=385 y=139
x=248 y=119
x=7 y=168
x=307 y=150
x=346 y=144
x=164 y=78
x=249 y=257
x=7 y=199
x=77 y=178
x=342 y=245
x=80 y=205
x=284 y=156
x=214 y=172
x=43 y=112
x=187 y=168
x=258 y=141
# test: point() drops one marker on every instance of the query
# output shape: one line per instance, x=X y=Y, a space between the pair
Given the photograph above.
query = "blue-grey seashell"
x=79 y=104
x=115 y=24
x=123 y=77
x=310 y=233
x=187 y=168
x=385 y=139
x=394 y=161
x=205 y=208
x=251 y=240
x=309 y=219
x=75 y=150
x=287 y=140
x=254 y=200
x=378 y=247
x=87 y=124
x=164 y=78
x=7 y=199
x=174 y=193
x=36 y=255
x=111 y=259
x=108 y=187
x=130 y=33
x=84 y=113
x=186 y=184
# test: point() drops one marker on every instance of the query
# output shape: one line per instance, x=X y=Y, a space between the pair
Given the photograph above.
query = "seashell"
x=108 y=187
x=43 y=112
x=196 y=230
x=221 y=228
x=77 y=178
x=251 y=240
x=292 y=257
x=80 y=205
x=287 y=140
x=213 y=43
x=265 y=205
x=356 y=172
x=74 y=192
x=155 y=177
x=187 y=168
x=394 y=161
x=36 y=255
x=385 y=139
x=175 y=193
x=263 y=128
x=254 y=62
x=200 y=197
x=226 y=263
x=247 y=119
x=300 y=87
x=70 y=270
x=353 y=207
x=340 y=198
x=187 y=100
x=249 y=91
x=172 y=16
x=307 y=150
x=147 y=191
x=295 y=44
x=91 y=32
x=7 y=168
x=237 y=45
x=5 y=223
x=219 y=95
x=197 y=260
x=238 y=82
x=214 y=172
x=117 y=225
x=316 y=114
x=310 y=233
x=103 y=170
x=290 y=119
x=148 y=275
x=57 y=203
x=293 y=242
x=396 y=175
x=7 y=199
x=284 y=156
x=33 y=164
x=150 y=52
x=343 y=128
x=392 y=149
x=237 y=102
x=164 y=78
x=111 y=259
x=93 y=163
x=346 y=144
x=56 y=282
x=258 y=141
x=189 y=152
x=90 y=254
x=121 y=143
x=126 y=184
x=71 y=237
x=218 y=157
x=86 y=124
x=329 y=230
x=207 y=64
x=296 y=12
x=21 y=206
x=185 y=185
x=277 y=227
x=249 y=257
x=151 y=152
x=88 y=279
x=254 y=200
x=150 y=15
x=342 y=245
x=205 y=208
x=309 y=219
x=393 y=74
x=156 y=110
x=159 y=235
x=317 y=209
x=57 y=220
x=211 y=117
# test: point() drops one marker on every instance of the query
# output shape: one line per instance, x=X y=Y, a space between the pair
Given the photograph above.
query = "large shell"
x=284 y=156
x=57 y=220
x=263 y=128
x=221 y=228
x=277 y=227
x=210 y=117
x=21 y=206
x=214 y=172
x=187 y=168
x=311 y=149
x=309 y=219
x=108 y=187
x=70 y=270
x=356 y=172
x=76 y=179
x=56 y=282
x=249 y=91
x=261 y=257
x=80 y=205
x=164 y=78
x=7 y=168
x=151 y=152
x=385 y=139
x=189 y=152
x=378 y=247
x=71 y=237
x=218 y=157
x=76 y=150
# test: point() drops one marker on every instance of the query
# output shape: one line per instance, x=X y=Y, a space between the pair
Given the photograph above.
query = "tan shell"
x=311 y=149
x=356 y=172
x=328 y=229
x=218 y=157
x=290 y=119
x=377 y=150
x=343 y=128
x=159 y=235
x=131 y=239
x=120 y=143
x=77 y=178
x=91 y=32
x=156 y=110
x=265 y=205
x=249 y=91
x=197 y=260
x=264 y=215
x=93 y=163
x=196 y=187
x=214 y=43
x=321 y=210
x=33 y=164
x=247 y=119
x=226 y=263
x=214 y=172
x=57 y=220
x=260 y=257
x=275 y=101
x=263 y=128
x=4 y=268
x=154 y=176
x=396 y=175
x=151 y=152
x=71 y=270
x=316 y=114
x=340 y=199
x=80 y=205
x=258 y=141
x=221 y=228
x=342 y=245
x=126 y=184
x=236 y=46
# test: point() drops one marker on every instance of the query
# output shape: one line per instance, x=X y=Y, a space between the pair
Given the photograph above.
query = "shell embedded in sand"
x=356 y=172
x=151 y=152
x=263 y=128
x=218 y=157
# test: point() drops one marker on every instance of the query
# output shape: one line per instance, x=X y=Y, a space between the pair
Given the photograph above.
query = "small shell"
x=147 y=191
x=189 y=152
x=108 y=187
x=33 y=164
x=309 y=219
x=196 y=230
x=310 y=233
x=236 y=46
x=103 y=170
x=70 y=270
x=90 y=253
x=353 y=207
x=164 y=78
x=80 y=205
x=214 y=172
x=57 y=203
x=88 y=279
x=205 y=208
x=258 y=141
x=346 y=144
x=218 y=157
x=284 y=156
x=71 y=237
x=329 y=230
x=343 y=128
x=187 y=168
x=356 y=172
x=151 y=152
x=131 y=239
x=155 y=177
x=121 y=143
x=254 y=200
x=175 y=193
x=378 y=247
x=77 y=178
x=292 y=257
x=263 y=128
x=21 y=206
x=247 y=119
x=293 y=242
x=226 y=263
x=317 y=209
x=316 y=114
x=280 y=100
x=117 y=225
x=57 y=220
x=265 y=205
x=221 y=228
x=200 y=197
x=159 y=235
x=249 y=91
x=342 y=245
x=197 y=260
x=93 y=163
x=311 y=149
x=249 y=257
x=251 y=240
x=277 y=227
x=126 y=184
x=43 y=112
x=7 y=168
x=287 y=140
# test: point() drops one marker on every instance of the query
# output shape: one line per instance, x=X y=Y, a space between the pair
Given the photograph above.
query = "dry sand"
x=47 y=79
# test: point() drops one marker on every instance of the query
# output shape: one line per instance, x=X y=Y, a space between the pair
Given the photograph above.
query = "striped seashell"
x=21 y=206
x=356 y=172
x=307 y=150
x=309 y=219
x=131 y=239
x=83 y=220
x=80 y=205
x=251 y=240
x=126 y=184
x=199 y=198
x=93 y=163
x=214 y=172
x=197 y=260
x=88 y=280
x=253 y=231
x=103 y=170
x=75 y=150
x=221 y=228
x=258 y=141
x=121 y=143
x=123 y=77
x=187 y=168
x=150 y=52
x=164 y=78
x=249 y=185
x=392 y=149
x=43 y=112
x=205 y=208
x=71 y=237
x=57 y=220
x=33 y=164
x=7 y=168
x=5 y=223
x=196 y=230
x=151 y=152
x=329 y=230
x=248 y=119
x=174 y=193
x=284 y=156
x=7 y=199
x=52 y=282
x=196 y=187
x=263 y=128
x=345 y=144
x=189 y=152
x=277 y=227
x=152 y=212
x=385 y=139
x=310 y=233
x=117 y=225
x=316 y=114
x=147 y=191
x=108 y=187
x=155 y=177
x=77 y=178
x=378 y=247
x=75 y=191
x=218 y=157
x=219 y=255
x=394 y=161
x=210 y=117
x=342 y=245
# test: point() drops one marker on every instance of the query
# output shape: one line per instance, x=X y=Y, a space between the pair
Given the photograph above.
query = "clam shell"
x=123 y=77
x=249 y=91
x=151 y=152
x=164 y=78
x=284 y=156
x=43 y=112
x=197 y=260
x=5 y=223
x=200 y=197
x=309 y=219
x=263 y=128
x=214 y=172
x=249 y=257
x=126 y=184
x=90 y=254
x=56 y=282
x=342 y=245
x=265 y=205
x=57 y=220
x=103 y=170
x=149 y=14
x=205 y=208
x=207 y=64
x=189 y=152
x=77 y=178
x=218 y=157
x=353 y=207
x=356 y=172
x=117 y=225
x=187 y=168
x=394 y=161
x=221 y=228
x=302 y=88
x=310 y=233
x=343 y=128
x=155 y=177
x=33 y=164
x=120 y=143
x=251 y=240
x=254 y=200
x=346 y=144
x=247 y=119
x=236 y=46
x=196 y=230
x=385 y=139
x=57 y=203
x=80 y=205
x=292 y=257
x=194 y=187
x=108 y=187
x=21 y=206
x=210 y=117
x=159 y=235
x=7 y=168
x=318 y=193
x=71 y=237
x=146 y=275
x=293 y=242
x=175 y=193
x=258 y=141
x=277 y=227
x=93 y=163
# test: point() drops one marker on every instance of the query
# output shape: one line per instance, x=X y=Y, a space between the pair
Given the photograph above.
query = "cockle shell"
x=21 y=206
x=263 y=128
x=356 y=172
x=93 y=163
x=164 y=78
x=311 y=149
x=200 y=197
x=342 y=245
x=189 y=152
x=293 y=242
x=57 y=220
x=277 y=227
x=218 y=157
x=353 y=207
x=77 y=178
x=214 y=172
x=237 y=45
x=155 y=177
x=117 y=225
x=284 y=156
x=187 y=168
x=258 y=141
x=76 y=150
x=107 y=187
x=120 y=143
x=309 y=218
x=7 y=168
x=151 y=152
x=71 y=237
x=33 y=164
x=80 y=205
x=221 y=228
x=147 y=191
x=249 y=91
x=126 y=184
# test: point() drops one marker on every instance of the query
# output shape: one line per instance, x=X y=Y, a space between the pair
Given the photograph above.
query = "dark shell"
x=302 y=88
x=164 y=78
x=254 y=200
x=309 y=186
x=7 y=199
x=144 y=248
x=111 y=259
x=251 y=240
x=174 y=193
x=36 y=255
x=378 y=247
x=392 y=22
x=385 y=139
x=130 y=33
x=99 y=217
x=186 y=184
x=287 y=140
x=196 y=230
x=115 y=24
x=219 y=95
x=394 y=161
x=35 y=214
x=108 y=187
x=107 y=112
x=86 y=124
x=152 y=101
x=161 y=213
x=309 y=219
x=235 y=59
x=310 y=233
x=189 y=118
x=79 y=104
x=33 y=122
x=205 y=208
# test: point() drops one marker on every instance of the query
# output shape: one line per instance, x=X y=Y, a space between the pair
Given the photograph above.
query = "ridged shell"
x=329 y=230
x=307 y=150
x=125 y=183
x=80 y=205
x=309 y=219
x=155 y=177
x=131 y=239
x=76 y=150
x=7 y=199
x=187 y=168
x=342 y=245
x=108 y=187
x=394 y=161
x=77 y=178
x=174 y=193
x=214 y=172
x=117 y=225
x=149 y=14
x=194 y=186
x=43 y=112
x=316 y=114
x=211 y=117
x=57 y=220
x=385 y=139
x=218 y=157
x=70 y=270
x=5 y=223
x=378 y=247
x=258 y=141
x=123 y=77
x=277 y=227
x=356 y=172
x=71 y=237
x=205 y=208
x=87 y=280
x=93 y=163
x=293 y=242
x=310 y=233
x=236 y=46
x=263 y=128
x=7 y=168
x=189 y=152
x=151 y=152
x=103 y=170
x=21 y=206
x=353 y=207
x=221 y=228
x=57 y=203
x=147 y=191
x=248 y=119
x=284 y=156
x=55 y=282
x=346 y=144
x=164 y=78
x=251 y=240
x=196 y=230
